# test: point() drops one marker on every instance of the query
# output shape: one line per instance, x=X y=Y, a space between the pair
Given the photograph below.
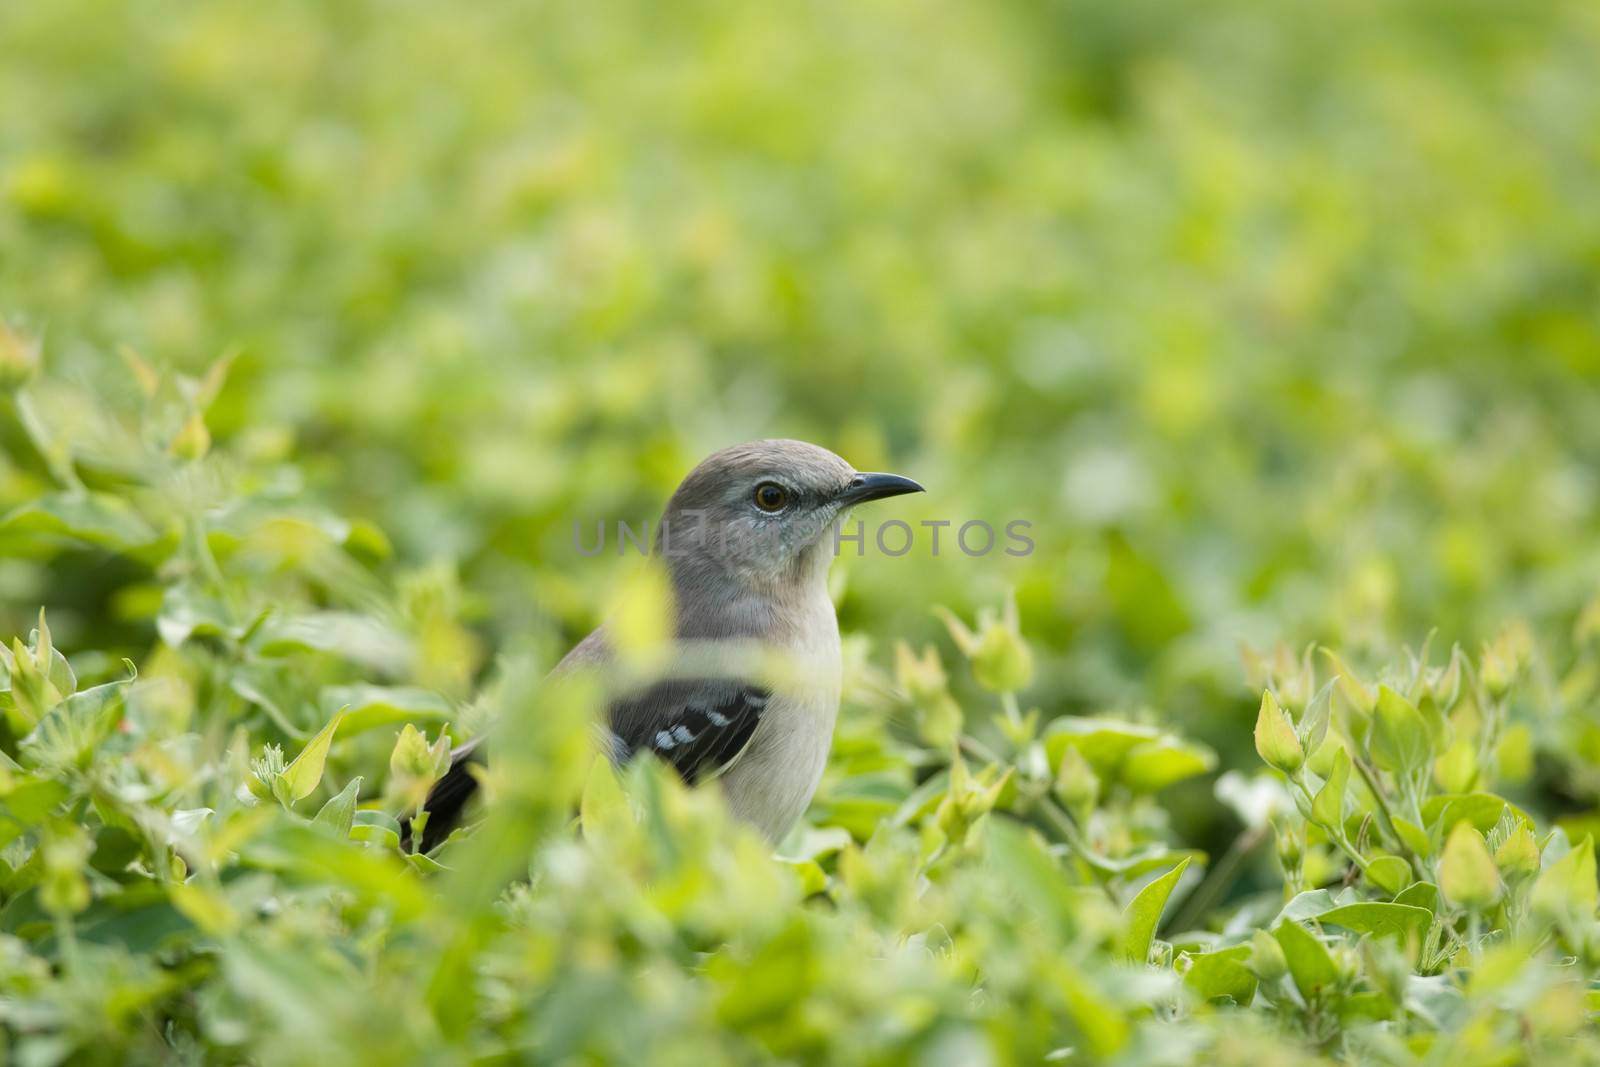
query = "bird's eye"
x=770 y=496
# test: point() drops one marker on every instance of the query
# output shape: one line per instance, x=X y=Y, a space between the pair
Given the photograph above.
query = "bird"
x=746 y=540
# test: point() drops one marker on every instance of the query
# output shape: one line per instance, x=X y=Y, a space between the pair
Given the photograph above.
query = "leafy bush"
x=1277 y=325
x=201 y=860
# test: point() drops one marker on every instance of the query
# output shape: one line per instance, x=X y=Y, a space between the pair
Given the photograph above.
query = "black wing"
x=699 y=726
x=447 y=798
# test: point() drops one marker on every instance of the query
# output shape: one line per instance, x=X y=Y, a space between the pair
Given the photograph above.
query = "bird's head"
x=764 y=512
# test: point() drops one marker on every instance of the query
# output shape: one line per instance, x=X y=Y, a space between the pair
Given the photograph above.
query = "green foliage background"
x=1277 y=323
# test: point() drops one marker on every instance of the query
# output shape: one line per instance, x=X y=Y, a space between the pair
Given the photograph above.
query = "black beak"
x=875 y=487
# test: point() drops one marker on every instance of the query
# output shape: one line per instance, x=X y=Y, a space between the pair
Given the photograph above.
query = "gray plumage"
x=747 y=539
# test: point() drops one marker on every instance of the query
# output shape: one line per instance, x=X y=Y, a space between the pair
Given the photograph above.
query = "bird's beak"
x=875 y=487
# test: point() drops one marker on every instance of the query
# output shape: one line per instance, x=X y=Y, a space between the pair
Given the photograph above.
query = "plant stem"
x=1335 y=834
x=1008 y=700
x=1384 y=815
x=1203 y=896
x=1064 y=824
x=978 y=750
x=67 y=936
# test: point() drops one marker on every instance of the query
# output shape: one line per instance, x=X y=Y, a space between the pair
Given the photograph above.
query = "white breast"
x=773 y=781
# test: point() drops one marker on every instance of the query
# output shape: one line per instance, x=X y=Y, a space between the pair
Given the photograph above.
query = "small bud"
x=1388 y=965
x=1467 y=873
x=1001 y=659
x=1518 y=855
x=1362 y=698
x=33 y=694
x=1276 y=741
x=939 y=721
x=1456 y=769
x=1296 y=683
x=65 y=854
x=1444 y=683
x=1346 y=963
x=1513 y=756
x=952 y=813
x=1022 y=730
x=193 y=440
x=1503 y=659
x=265 y=771
x=1076 y=784
x=1003 y=663
x=147 y=377
x=415 y=757
x=1566 y=890
x=966 y=801
x=19 y=360
x=1291 y=848
x=1587 y=628
x=415 y=765
x=922 y=677
x=642 y=608
x=1267 y=961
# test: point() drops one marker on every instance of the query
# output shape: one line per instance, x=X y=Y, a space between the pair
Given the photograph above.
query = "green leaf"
x=1310 y=964
x=1141 y=862
x=91 y=518
x=59 y=672
x=809 y=874
x=1366 y=1006
x=1099 y=1019
x=26 y=803
x=339 y=812
x=139 y=919
x=1154 y=765
x=1313 y=902
x=1104 y=743
x=426 y=864
x=1400 y=741
x=205 y=906
x=300 y=778
x=356 y=638
x=1328 y=807
x=1566 y=889
x=604 y=812
x=1468 y=877
x=1381 y=920
x=1144 y=913
x=1420 y=895
x=115 y=848
x=1413 y=837
x=1032 y=873
x=1482 y=810
x=1313 y=725
x=29 y=693
x=372 y=875
x=1222 y=975
x=187 y=611
x=370 y=706
x=377 y=827
x=69 y=735
x=1388 y=873
x=1356 y=693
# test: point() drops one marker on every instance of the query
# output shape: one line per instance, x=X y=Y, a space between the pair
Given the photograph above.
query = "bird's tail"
x=446 y=800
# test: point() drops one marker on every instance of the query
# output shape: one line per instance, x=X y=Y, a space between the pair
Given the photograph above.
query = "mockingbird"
x=746 y=540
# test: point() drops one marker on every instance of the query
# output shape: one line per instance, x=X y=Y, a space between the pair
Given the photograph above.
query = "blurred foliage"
x=324 y=323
